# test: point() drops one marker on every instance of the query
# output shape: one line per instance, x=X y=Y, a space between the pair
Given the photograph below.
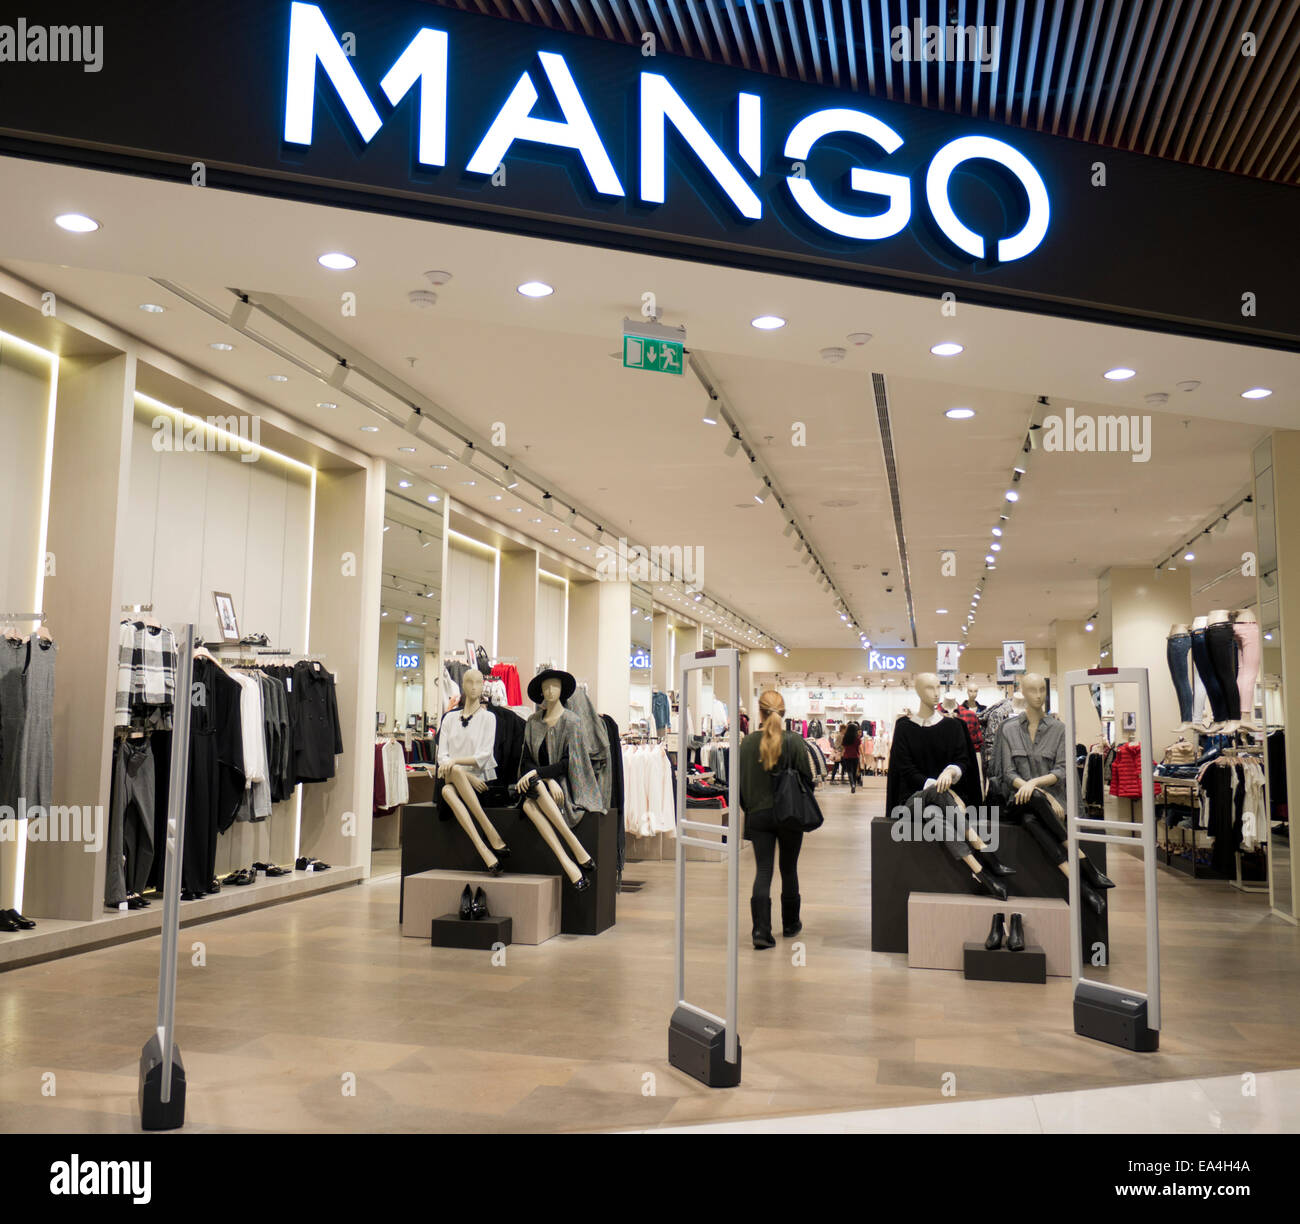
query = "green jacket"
x=756 y=783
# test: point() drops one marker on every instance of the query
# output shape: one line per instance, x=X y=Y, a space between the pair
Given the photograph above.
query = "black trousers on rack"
x=162 y=774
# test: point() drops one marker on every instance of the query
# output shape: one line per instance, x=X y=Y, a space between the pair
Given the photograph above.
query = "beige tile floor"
x=319 y=1016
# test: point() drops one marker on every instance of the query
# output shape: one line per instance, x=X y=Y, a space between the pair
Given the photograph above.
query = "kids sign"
x=545 y=108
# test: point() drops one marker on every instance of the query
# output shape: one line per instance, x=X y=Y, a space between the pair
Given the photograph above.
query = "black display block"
x=453 y=931
x=1118 y=1017
x=430 y=843
x=899 y=869
x=1027 y=965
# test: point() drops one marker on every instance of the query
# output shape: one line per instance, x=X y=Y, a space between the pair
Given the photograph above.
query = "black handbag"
x=794 y=806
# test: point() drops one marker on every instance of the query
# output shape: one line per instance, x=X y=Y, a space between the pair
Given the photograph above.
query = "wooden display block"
x=939 y=925
x=483 y=934
x=531 y=901
x=1027 y=965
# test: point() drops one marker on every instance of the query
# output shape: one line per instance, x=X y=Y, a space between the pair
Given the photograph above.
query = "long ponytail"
x=771 y=710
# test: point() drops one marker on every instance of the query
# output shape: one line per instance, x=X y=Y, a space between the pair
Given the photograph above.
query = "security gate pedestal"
x=705 y=1046
x=1115 y=1014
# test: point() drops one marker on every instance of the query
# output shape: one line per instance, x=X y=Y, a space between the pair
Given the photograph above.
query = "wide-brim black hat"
x=568 y=685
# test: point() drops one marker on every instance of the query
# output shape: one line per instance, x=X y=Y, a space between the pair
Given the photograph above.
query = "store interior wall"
x=1076 y=650
x=386 y=687
x=552 y=610
x=470 y=597
x=518 y=619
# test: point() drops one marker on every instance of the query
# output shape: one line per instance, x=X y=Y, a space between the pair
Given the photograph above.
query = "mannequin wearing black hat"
x=553 y=778
x=466 y=766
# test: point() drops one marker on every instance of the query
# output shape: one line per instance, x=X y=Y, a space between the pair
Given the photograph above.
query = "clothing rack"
x=23 y=616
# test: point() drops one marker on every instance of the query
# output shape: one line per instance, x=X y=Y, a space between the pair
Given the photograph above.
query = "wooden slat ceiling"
x=1167 y=78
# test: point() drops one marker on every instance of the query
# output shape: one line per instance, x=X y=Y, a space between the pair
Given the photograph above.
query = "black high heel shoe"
x=480 y=907
x=1094 y=900
x=1016 y=936
x=466 y=904
x=503 y=853
x=496 y=869
x=589 y=867
x=985 y=883
x=581 y=884
x=1088 y=870
x=995 y=864
x=997 y=933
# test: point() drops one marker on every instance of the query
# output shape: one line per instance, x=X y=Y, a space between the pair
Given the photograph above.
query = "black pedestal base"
x=698 y=1047
x=154 y=1113
x=1027 y=965
x=430 y=843
x=452 y=931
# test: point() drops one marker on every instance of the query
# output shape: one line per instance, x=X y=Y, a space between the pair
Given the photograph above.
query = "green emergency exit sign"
x=646 y=353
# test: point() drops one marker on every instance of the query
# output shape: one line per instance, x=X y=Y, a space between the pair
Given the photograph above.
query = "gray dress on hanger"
x=38 y=725
x=566 y=740
x=13 y=714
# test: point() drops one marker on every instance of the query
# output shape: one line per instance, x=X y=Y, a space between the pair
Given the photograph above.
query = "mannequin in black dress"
x=932 y=768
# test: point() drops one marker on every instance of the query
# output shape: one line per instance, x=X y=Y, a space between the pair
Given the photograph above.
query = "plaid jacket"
x=146 y=672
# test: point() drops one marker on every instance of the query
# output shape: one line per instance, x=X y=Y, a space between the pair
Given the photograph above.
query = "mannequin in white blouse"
x=463 y=777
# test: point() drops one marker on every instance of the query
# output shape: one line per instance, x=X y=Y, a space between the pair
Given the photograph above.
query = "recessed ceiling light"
x=709 y=421
x=370 y=429
x=555 y=531
x=76 y=223
x=534 y=520
x=407 y=450
x=1189 y=556
x=514 y=484
x=767 y=322
x=278 y=377
x=326 y=404
x=990 y=558
x=496 y=496
x=432 y=498
x=997 y=531
x=221 y=346
x=959 y=414
x=535 y=289
x=403 y=484
x=469 y=483
x=995 y=547
x=1012 y=495
x=1119 y=374
x=336 y=261
x=516 y=509
x=949 y=348
x=941 y=611
x=154 y=308
x=438 y=467
x=1256 y=393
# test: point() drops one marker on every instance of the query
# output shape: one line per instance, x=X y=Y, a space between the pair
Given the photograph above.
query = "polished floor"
x=319 y=1016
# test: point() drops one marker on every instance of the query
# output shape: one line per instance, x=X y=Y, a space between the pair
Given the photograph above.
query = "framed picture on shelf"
x=471 y=651
x=1013 y=658
x=226 y=619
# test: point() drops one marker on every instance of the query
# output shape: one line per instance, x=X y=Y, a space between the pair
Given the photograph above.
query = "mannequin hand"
x=477 y=783
x=525 y=784
x=945 y=780
x=1025 y=792
x=1057 y=809
x=444 y=771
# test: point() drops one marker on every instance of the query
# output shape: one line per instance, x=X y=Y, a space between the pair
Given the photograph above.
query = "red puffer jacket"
x=1126 y=771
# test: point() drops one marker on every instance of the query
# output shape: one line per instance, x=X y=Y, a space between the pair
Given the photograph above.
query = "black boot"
x=760 y=910
x=995 y=864
x=985 y=882
x=1089 y=872
x=997 y=932
x=790 y=924
x=1016 y=936
x=1094 y=900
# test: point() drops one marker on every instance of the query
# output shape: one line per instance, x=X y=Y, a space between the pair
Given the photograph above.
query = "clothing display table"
x=430 y=843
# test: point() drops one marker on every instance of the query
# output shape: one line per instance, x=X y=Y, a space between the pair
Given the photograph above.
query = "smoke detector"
x=858 y=338
x=832 y=356
x=1157 y=397
x=1189 y=384
x=437 y=278
x=422 y=299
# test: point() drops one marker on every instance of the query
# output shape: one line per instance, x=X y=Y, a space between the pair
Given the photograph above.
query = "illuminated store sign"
x=883 y=662
x=735 y=173
x=408 y=659
x=640 y=661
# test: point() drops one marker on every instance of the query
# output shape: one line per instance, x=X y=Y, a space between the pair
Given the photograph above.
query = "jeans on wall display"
x=1178 y=651
x=1222 y=645
x=1205 y=669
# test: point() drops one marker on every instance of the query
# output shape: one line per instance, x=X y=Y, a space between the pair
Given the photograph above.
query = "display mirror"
x=640 y=713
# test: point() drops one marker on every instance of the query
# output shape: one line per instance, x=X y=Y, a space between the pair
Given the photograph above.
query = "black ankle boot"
x=790 y=924
x=997 y=932
x=1016 y=936
x=1089 y=872
x=760 y=910
x=1094 y=900
x=995 y=864
x=985 y=882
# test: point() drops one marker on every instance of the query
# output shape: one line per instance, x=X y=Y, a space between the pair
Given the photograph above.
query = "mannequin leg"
x=548 y=799
x=543 y=825
x=460 y=779
x=458 y=809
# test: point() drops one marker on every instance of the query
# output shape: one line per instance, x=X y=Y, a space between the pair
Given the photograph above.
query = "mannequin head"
x=1034 y=687
x=1018 y=701
x=972 y=694
x=927 y=689
x=471 y=687
x=551 y=689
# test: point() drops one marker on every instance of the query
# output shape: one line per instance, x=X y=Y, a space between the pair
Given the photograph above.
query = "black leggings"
x=851 y=770
x=765 y=845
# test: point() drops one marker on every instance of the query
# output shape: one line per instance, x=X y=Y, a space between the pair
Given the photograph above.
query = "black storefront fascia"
x=1160 y=245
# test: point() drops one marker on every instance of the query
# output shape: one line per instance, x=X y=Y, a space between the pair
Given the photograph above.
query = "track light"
x=733 y=445
x=338 y=376
x=789 y=529
x=467 y=455
x=240 y=313
x=761 y=495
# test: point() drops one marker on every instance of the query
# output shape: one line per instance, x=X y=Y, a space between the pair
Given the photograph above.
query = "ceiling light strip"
x=881 y=392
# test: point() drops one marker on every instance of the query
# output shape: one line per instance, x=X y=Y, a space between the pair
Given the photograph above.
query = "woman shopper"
x=851 y=753
x=762 y=754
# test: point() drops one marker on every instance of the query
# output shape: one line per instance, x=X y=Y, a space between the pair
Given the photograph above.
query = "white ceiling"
x=632 y=447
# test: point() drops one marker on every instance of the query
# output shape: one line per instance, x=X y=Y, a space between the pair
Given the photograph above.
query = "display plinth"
x=1000 y=965
x=483 y=934
x=941 y=925
x=899 y=869
x=533 y=901
x=430 y=843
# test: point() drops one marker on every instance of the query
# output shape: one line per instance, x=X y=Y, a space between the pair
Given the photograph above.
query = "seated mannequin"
x=557 y=785
x=930 y=766
x=1029 y=782
x=466 y=766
